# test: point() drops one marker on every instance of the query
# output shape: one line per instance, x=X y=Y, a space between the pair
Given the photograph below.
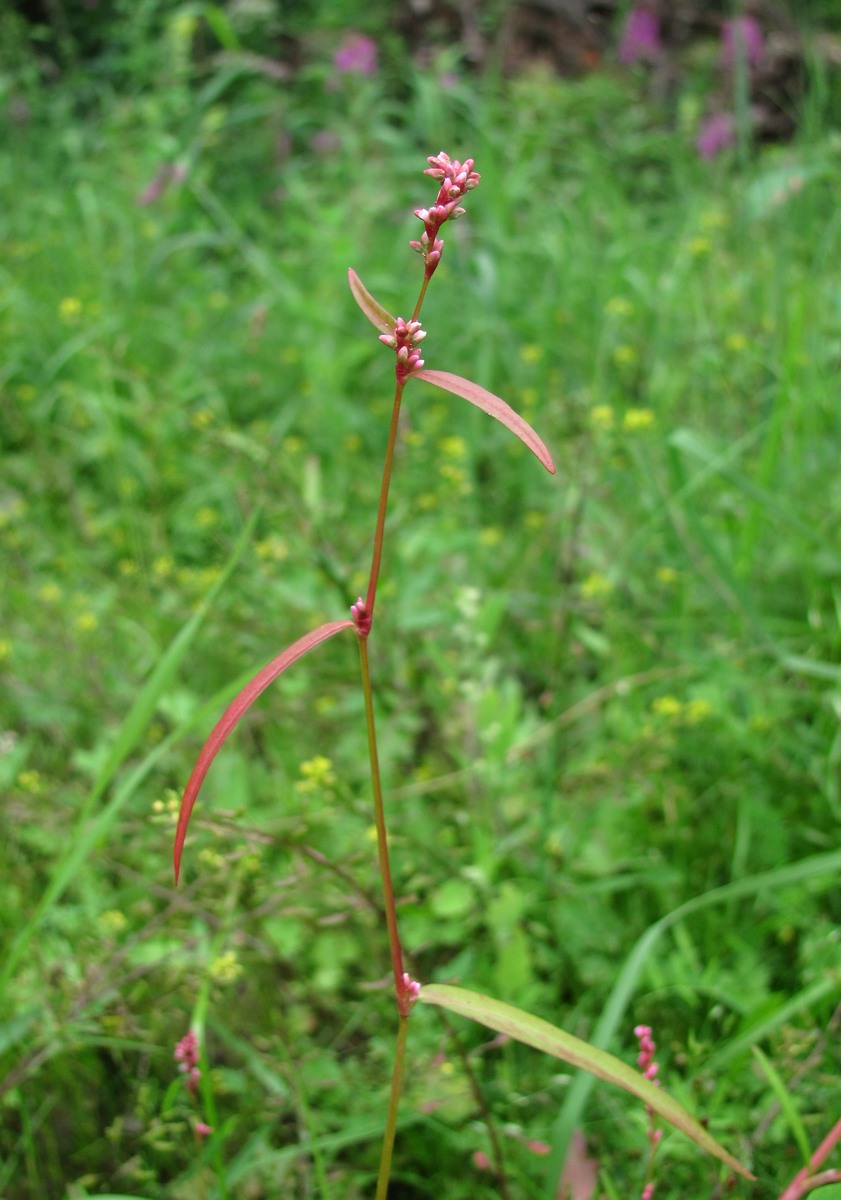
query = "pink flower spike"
x=231 y=717
x=494 y=407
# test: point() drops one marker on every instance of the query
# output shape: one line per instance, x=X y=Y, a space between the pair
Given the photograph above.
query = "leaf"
x=492 y=405
x=504 y=1018
x=232 y=714
x=379 y=317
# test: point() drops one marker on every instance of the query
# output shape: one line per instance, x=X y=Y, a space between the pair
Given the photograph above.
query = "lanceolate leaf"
x=236 y=709
x=492 y=405
x=504 y=1018
x=379 y=317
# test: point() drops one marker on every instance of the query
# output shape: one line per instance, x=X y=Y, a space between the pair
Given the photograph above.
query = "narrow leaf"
x=504 y=1018
x=232 y=714
x=379 y=317
x=492 y=405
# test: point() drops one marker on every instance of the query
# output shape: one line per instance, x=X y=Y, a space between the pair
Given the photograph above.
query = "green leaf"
x=379 y=317
x=504 y=1018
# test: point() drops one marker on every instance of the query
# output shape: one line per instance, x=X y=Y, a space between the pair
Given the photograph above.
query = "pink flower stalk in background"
x=187 y=1056
x=741 y=38
x=717 y=133
x=650 y=1068
x=640 y=40
x=357 y=55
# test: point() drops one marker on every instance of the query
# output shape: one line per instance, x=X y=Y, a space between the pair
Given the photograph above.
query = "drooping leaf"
x=492 y=405
x=379 y=317
x=232 y=714
x=504 y=1018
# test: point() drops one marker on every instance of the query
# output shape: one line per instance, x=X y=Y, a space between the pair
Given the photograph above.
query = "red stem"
x=804 y=1180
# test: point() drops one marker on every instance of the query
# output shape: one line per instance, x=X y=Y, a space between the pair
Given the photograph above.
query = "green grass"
x=608 y=702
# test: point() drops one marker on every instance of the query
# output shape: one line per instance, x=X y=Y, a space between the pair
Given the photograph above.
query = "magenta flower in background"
x=357 y=55
x=717 y=133
x=742 y=37
x=640 y=40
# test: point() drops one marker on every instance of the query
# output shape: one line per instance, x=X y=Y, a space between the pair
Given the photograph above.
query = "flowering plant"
x=455 y=180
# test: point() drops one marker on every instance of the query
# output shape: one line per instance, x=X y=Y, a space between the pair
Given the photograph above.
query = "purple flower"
x=640 y=40
x=717 y=133
x=357 y=55
x=742 y=38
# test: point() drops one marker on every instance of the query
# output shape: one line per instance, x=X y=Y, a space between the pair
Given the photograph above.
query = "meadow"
x=609 y=702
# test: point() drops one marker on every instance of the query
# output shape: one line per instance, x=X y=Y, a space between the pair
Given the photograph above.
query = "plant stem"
x=379 y=532
x=379 y=818
x=393 y=1105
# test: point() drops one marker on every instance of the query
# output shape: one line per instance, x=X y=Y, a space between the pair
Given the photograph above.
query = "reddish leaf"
x=236 y=709
x=379 y=317
x=492 y=405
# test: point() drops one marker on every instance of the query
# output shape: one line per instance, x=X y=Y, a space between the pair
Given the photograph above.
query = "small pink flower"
x=202 y=1130
x=640 y=39
x=481 y=1160
x=357 y=55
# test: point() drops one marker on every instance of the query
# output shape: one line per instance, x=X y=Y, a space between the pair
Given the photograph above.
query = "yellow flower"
x=667 y=706
x=206 y=518
x=30 y=781
x=453 y=447
x=86 y=622
x=316 y=773
x=127 y=567
x=698 y=710
x=736 y=342
x=70 y=308
x=531 y=354
x=5 y=648
x=272 y=548
x=534 y=519
x=225 y=968
x=491 y=535
x=163 y=566
x=596 y=584
x=714 y=218
x=601 y=416
x=666 y=575
x=293 y=444
x=636 y=419
x=202 y=418
x=112 y=921
x=698 y=246
x=625 y=356
x=618 y=306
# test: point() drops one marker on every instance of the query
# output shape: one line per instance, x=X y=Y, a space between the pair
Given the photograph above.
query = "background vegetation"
x=609 y=702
